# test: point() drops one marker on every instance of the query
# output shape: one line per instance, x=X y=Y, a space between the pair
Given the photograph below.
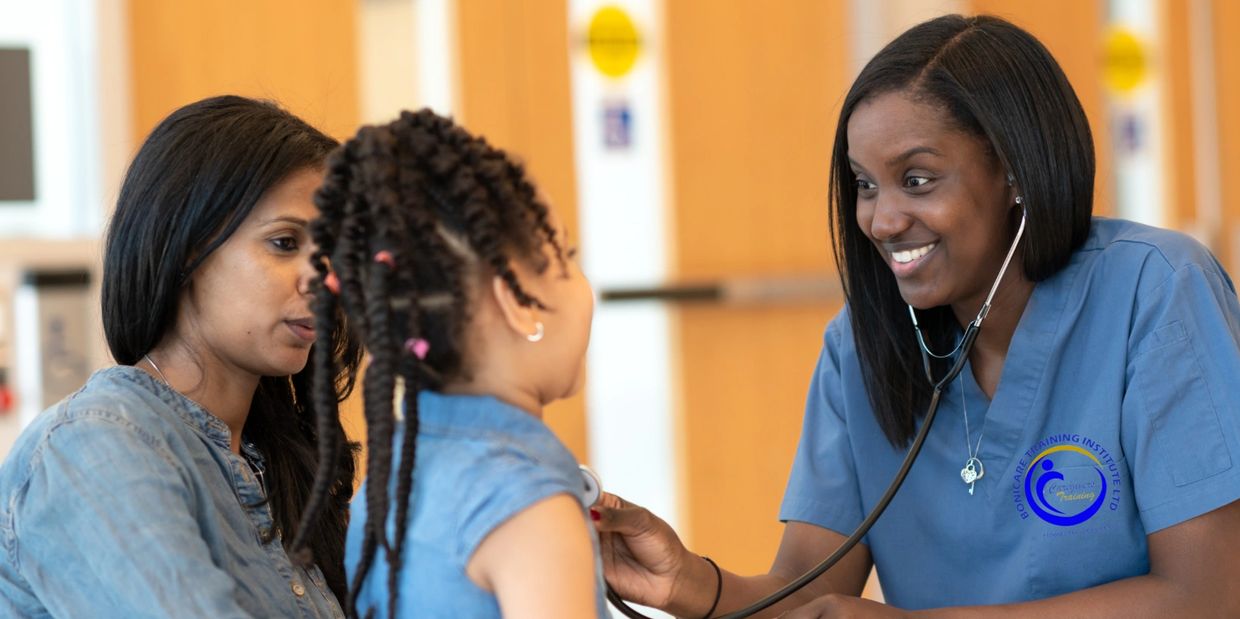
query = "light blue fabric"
x=124 y=500
x=479 y=463
x=1116 y=416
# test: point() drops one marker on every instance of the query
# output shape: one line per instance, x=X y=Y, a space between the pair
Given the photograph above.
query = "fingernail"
x=594 y=515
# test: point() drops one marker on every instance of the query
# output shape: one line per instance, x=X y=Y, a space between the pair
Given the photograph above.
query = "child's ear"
x=523 y=320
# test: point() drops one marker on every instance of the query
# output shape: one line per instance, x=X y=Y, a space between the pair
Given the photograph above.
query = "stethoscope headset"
x=965 y=347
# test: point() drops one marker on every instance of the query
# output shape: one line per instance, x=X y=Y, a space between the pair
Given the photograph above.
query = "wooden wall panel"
x=1179 y=157
x=300 y=54
x=514 y=89
x=754 y=92
x=1227 y=87
x=745 y=373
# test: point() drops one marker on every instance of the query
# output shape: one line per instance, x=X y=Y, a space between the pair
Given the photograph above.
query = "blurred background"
x=685 y=142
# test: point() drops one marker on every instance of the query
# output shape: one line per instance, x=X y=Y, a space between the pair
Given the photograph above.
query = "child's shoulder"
x=493 y=471
x=466 y=487
x=485 y=444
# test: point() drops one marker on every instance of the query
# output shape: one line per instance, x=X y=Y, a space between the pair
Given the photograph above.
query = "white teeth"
x=907 y=256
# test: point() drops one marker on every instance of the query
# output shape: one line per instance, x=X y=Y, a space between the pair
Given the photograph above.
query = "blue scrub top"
x=1115 y=417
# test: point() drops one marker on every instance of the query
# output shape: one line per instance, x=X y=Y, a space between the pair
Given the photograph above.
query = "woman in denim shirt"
x=169 y=484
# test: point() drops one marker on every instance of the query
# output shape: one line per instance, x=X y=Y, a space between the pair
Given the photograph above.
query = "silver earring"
x=537 y=335
x=1019 y=200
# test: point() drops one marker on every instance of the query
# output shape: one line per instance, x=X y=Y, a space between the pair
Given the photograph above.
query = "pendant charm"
x=972 y=471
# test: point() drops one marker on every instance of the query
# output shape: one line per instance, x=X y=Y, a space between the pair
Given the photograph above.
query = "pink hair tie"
x=418 y=346
x=331 y=282
x=385 y=257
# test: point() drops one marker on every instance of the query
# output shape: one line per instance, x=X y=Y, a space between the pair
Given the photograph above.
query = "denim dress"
x=479 y=463
x=124 y=500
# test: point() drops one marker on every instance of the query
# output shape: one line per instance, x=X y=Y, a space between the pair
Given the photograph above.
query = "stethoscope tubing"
x=966 y=346
x=864 y=528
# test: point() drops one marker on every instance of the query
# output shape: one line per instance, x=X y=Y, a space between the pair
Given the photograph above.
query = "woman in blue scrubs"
x=1086 y=462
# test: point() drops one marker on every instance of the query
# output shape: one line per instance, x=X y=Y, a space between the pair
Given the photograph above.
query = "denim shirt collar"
x=189 y=411
x=195 y=416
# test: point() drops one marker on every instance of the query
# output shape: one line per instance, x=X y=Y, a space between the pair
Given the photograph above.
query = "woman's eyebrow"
x=297 y=221
x=916 y=150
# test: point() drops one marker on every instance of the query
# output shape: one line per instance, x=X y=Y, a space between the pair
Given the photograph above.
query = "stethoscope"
x=964 y=347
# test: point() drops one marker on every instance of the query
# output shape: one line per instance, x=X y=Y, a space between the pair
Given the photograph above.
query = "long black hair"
x=195 y=179
x=413 y=215
x=996 y=82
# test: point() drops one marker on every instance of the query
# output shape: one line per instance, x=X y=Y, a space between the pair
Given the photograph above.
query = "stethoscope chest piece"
x=593 y=486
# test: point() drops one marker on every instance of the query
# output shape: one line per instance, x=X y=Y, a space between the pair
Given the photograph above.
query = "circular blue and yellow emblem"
x=1066 y=480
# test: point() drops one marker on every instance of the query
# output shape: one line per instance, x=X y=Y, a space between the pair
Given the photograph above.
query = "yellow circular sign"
x=613 y=42
x=1125 y=61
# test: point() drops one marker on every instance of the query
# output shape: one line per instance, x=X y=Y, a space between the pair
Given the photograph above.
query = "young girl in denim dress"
x=458 y=278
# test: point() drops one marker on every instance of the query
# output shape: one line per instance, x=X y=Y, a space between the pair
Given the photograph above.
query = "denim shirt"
x=124 y=500
x=479 y=462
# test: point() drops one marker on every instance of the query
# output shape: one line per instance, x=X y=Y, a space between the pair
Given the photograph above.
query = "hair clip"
x=385 y=257
x=418 y=347
x=331 y=282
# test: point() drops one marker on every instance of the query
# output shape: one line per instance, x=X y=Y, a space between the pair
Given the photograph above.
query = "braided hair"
x=412 y=215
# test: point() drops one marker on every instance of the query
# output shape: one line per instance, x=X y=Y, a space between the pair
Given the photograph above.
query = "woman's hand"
x=643 y=559
x=836 y=606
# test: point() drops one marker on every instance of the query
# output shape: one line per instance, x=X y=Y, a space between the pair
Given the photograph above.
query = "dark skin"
x=1192 y=574
x=923 y=183
x=938 y=206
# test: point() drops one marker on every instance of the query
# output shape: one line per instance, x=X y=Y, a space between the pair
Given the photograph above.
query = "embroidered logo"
x=1065 y=479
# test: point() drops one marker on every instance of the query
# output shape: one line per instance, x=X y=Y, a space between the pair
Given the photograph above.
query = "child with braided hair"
x=455 y=275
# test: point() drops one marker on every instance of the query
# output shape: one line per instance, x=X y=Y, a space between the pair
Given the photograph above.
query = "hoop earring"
x=537 y=335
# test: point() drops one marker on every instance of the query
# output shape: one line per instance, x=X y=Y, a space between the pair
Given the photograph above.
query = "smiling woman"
x=933 y=200
x=169 y=485
x=1095 y=414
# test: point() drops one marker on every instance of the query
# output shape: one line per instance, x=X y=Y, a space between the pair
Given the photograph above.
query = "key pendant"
x=972 y=471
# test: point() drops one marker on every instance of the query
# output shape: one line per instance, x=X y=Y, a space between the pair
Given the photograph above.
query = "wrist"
x=695 y=589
